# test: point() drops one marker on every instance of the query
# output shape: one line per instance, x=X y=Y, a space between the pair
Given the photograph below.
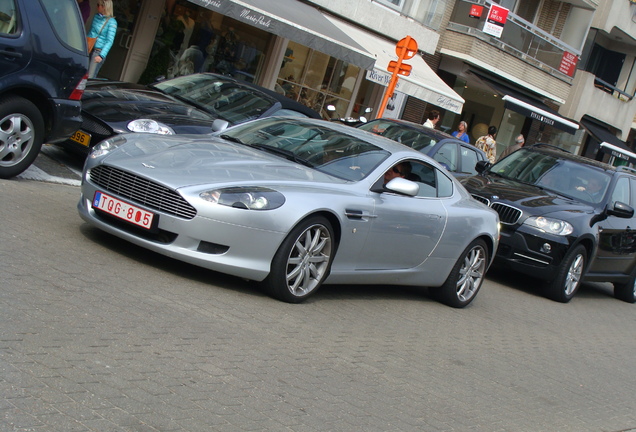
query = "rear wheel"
x=626 y=291
x=303 y=261
x=21 y=135
x=569 y=275
x=465 y=278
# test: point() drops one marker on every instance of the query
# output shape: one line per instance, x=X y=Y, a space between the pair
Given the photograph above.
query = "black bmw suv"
x=43 y=64
x=564 y=218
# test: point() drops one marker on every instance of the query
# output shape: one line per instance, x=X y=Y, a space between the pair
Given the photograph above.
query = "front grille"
x=141 y=191
x=482 y=200
x=507 y=214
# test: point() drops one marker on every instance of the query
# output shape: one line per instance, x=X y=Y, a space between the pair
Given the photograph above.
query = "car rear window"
x=66 y=21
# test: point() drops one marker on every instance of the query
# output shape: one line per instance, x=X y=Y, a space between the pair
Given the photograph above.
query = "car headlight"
x=107 y=146
x=252 y=198
x=149 y=126
x=550 y=225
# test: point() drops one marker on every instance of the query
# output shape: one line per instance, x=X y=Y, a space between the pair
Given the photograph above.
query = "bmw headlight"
x=107 y=146
x=252 y=198
x=550 y=225
x=149 y=126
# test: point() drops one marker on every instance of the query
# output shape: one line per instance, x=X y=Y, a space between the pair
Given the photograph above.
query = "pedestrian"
x=433 y=118
x=85 y=9
x=488 y=144
x=461 y=132
x=103 y=28
x=519 y=142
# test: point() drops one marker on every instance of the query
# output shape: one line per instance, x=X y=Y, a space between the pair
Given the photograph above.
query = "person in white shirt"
x=433 y=118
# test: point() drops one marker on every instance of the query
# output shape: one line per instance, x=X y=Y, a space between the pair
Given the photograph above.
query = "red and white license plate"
x=123 y=210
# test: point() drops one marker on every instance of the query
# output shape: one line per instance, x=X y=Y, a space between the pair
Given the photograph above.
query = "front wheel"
x=21 y=135
x=303 y=261
x=465 y=278
x=569 y=275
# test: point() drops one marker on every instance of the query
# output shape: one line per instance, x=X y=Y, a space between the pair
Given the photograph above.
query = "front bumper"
x=531 y=252
x=217 y=245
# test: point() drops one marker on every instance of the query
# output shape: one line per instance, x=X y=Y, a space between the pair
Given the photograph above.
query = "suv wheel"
x=21 y=135
x=569 y=276
x=626 y=291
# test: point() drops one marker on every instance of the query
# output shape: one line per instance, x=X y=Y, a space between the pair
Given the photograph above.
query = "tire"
x=569 y=275
x=466 y=277
x=303 y=261
x=626 y=291
x=21 y=135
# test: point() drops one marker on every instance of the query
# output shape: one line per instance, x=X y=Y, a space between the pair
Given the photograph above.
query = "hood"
x=119 y=103
x=532 y=200
x=194 y=160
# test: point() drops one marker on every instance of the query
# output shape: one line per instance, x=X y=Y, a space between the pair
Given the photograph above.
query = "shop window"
x=193 y=39
x=317 y=80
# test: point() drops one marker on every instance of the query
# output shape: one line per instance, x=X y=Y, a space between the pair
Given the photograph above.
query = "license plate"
x=81 y=138
x=123 y=210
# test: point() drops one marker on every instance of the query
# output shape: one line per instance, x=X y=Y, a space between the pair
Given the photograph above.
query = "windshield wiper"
x=231 y=138
x=284 y=153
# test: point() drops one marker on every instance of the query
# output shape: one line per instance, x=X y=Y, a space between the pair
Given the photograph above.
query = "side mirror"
x=621 y=210
x=482 y=166
x=398 y=185
x=218 y=125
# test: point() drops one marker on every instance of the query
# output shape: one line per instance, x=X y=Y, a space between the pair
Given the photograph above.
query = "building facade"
x=555 y=71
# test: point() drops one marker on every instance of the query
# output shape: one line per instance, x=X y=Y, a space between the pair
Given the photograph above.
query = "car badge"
x=147 y=165
x=495 y=197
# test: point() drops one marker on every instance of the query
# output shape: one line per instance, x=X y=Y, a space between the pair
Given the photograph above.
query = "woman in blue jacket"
x=104 y=28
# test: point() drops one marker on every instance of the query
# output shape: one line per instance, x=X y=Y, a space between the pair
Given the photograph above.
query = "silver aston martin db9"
x=294 y=203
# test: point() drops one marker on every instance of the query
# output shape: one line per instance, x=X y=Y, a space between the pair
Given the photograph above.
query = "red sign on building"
x=497 y=17
x=568 y=63
x=475 y=11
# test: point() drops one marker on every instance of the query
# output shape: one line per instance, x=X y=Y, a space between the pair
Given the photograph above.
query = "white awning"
x=423 y=83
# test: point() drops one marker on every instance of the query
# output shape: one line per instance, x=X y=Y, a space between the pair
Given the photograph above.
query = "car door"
x=15 y=50
x=617 y=236
x=406 y=229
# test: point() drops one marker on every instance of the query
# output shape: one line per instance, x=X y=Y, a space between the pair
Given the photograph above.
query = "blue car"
x=455 y=155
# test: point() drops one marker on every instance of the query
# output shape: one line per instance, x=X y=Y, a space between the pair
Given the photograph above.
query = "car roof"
x=286 y=103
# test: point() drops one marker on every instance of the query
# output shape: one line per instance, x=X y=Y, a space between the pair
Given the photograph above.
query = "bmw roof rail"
x=550 y=146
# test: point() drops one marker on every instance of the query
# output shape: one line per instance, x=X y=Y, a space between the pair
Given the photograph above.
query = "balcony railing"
x=518 y=36
x=609 y=88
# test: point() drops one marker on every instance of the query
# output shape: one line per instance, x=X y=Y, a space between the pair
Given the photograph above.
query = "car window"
x=290 y=113
x=621 y=191
x=224 y=99
x=432 y=182
x=8 y=17
x=468 y=160
x=447 y=156
x=66 y=21
x=332 y=152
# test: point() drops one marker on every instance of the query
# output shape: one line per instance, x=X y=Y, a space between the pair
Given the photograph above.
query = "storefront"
x=286 y=45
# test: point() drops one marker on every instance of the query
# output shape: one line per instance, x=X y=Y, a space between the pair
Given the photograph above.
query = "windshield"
x=568 y=178
x=223 y=98
x=411 y=137
x=319 y=147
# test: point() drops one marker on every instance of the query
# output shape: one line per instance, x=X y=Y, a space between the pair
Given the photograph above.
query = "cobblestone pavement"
x=99 y=335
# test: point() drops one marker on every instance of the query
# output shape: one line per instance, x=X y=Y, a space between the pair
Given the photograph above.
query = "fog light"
x=546 y=248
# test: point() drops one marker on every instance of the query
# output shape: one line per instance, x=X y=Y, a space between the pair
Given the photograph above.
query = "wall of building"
x=382 y=20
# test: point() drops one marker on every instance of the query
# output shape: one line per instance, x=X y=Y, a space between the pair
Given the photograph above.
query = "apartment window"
x=526 y=9
x=393 y=4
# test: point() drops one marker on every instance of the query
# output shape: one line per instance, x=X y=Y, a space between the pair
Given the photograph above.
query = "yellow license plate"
x=81 y=138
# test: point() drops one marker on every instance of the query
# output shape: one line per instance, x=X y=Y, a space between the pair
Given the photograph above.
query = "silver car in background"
x=294 y=203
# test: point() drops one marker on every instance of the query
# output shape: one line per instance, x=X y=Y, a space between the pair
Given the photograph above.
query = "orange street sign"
x=411 y=48
x=404 y=69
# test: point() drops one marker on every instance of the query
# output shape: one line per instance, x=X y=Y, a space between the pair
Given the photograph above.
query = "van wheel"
x=626 y=291
x=21 y=135
x=303 y=261
x=568 y=279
